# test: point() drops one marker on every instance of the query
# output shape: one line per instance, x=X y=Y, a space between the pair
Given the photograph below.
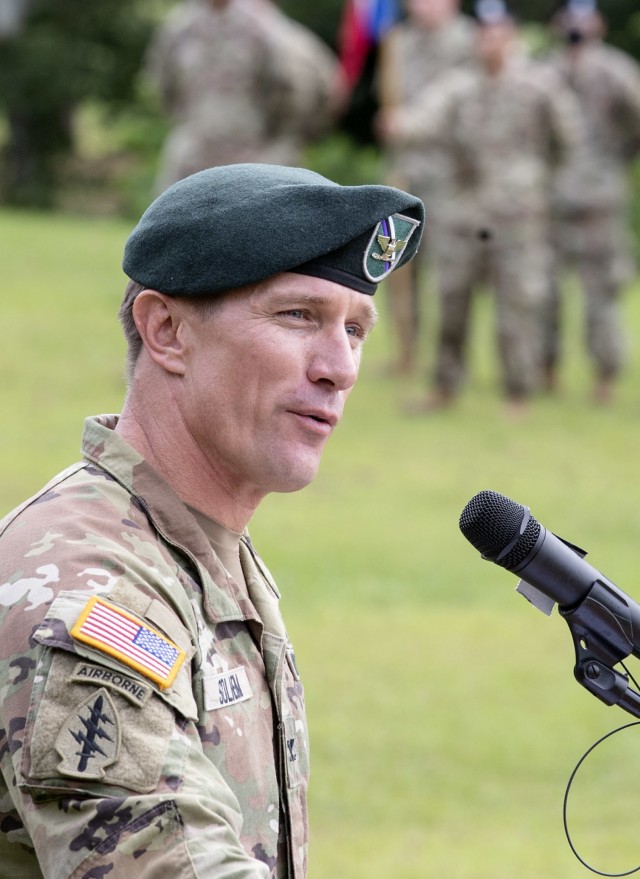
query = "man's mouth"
x=319 y=416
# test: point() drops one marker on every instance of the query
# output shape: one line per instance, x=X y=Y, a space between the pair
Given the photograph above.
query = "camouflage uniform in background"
x=107 y=767
x=236 y=87
x=590 y=204
x=313 y=96
x=412 y=59
x=504 y=134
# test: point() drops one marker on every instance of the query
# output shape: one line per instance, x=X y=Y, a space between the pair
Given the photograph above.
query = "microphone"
x=604 y=621
x=506 y=533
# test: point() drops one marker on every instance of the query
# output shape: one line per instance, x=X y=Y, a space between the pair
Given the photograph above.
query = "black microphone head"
x=491 y=521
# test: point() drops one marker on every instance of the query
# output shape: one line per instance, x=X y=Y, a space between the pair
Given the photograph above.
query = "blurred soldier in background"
x=316 y=92
x=590 y=204
x=434 y=39
x=505 y=128
x=241 y=83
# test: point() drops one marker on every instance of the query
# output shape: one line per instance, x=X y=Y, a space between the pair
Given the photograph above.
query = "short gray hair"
x=204 y=306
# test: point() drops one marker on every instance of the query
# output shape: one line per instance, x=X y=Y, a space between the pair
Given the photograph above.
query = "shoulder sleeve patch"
x=81 y=731
x=118 y=633
x=89 y=740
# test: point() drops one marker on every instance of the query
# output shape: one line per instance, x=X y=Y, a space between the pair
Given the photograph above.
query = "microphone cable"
x=565 y=820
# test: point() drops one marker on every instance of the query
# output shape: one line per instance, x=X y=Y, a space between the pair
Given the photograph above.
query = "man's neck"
x=167 y=446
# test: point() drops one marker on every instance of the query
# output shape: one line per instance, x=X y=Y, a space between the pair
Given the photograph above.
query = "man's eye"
x=356 y=331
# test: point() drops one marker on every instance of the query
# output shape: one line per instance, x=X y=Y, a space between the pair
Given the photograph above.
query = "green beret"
x=239 y=224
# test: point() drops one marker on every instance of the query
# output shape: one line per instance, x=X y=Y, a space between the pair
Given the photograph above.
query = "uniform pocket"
x=151 y=844
x=91 y=723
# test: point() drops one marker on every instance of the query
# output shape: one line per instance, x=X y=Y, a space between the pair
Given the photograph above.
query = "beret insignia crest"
x=387 y=245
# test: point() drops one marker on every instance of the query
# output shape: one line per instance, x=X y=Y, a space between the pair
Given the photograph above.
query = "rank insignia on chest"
x=386 y=245
x=118 y=633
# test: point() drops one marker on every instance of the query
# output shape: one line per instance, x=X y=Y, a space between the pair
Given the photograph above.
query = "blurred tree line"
x=57 y=56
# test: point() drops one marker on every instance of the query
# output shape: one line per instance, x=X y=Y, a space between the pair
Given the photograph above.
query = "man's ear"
x=159 y=321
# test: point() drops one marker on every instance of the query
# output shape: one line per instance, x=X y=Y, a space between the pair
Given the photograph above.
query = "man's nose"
x=335 y=360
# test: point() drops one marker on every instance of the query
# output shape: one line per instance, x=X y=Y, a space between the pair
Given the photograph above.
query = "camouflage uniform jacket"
x=182 y=750
x=310 y=102
x=226 y=83
x=413 y=59
x=505 y=134
x=606 y=84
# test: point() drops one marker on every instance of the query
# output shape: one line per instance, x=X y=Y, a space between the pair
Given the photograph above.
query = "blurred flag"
x=363 y=24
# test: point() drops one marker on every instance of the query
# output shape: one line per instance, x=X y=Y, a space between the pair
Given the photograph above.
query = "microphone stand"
x=602 y=639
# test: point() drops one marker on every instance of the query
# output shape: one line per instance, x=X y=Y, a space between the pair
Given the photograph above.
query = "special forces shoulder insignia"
x=386 y=245
x=89 y=740
x=118 y=633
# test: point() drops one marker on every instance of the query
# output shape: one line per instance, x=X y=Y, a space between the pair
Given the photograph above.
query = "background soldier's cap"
x=239 y=224
x=578 y=20
x=490 y=12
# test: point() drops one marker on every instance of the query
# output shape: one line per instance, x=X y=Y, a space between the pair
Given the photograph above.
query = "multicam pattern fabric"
x=103 y=771
x=239 y=83
x=606 y=85
x=505 y=135
x=513 y=259
x=310 y=70
x=590 y=198
x=413 y=59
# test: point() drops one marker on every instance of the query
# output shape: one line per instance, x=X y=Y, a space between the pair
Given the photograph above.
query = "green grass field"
x=443 y=713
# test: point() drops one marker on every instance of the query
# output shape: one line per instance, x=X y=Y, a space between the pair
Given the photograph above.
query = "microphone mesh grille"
x=523 y=546
x=491 y=521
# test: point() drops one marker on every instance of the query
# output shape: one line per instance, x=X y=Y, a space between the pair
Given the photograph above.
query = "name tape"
x=226 y=689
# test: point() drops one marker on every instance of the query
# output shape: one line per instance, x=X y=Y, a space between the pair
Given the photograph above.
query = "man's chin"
x=297 y=477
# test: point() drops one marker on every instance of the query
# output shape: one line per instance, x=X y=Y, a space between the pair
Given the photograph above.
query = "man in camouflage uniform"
x=316 y=94
x=240 y=82
x=434 y=39
x=504 y=125
x=590 y=204
x=152 y=716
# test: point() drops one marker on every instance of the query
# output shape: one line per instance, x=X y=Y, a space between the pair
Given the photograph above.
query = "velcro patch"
x=106 y=627
x=135 y=691
x=226 y=689
x=89 y=740
x=133 y=740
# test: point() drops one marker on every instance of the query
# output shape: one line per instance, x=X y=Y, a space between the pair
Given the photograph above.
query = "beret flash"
x=233 y=225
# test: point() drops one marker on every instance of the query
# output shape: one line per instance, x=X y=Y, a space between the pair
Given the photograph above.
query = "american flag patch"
x=120 y=634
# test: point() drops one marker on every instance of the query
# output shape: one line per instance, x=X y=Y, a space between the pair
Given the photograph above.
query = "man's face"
x=494 y=43
x=581 y=27
x=267 y=378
